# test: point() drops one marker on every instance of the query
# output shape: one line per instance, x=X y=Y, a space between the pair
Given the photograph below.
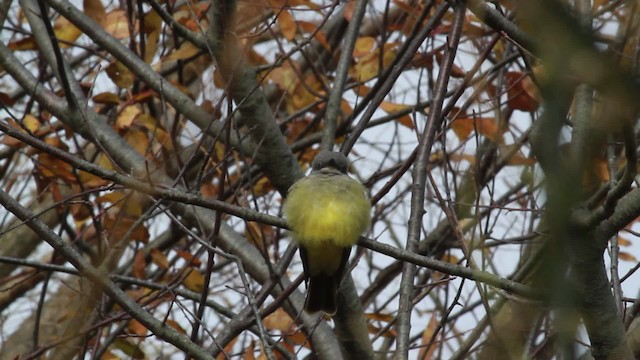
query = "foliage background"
x=146 y=147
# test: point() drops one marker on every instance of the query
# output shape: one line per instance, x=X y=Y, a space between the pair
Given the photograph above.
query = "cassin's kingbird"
x=327 y=212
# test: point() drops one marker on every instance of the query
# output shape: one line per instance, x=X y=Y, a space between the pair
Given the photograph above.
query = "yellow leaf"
x=31 y=123
x=151 y=46
x=120 y=74
x=116 y=24
x=65 y=31
x=390 y=107
x=364 y=45
x=185 y=51
x=138 y=140
x=126 y=116
x=194 y=281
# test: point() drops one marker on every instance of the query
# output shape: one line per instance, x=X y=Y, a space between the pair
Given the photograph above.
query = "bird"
x=327 y=211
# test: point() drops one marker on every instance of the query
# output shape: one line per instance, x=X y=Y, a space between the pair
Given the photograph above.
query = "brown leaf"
x=427 y=333
x=227 y=350
x=139 y=265
x=120 y=75
x=522 y=93
x=106 y=98
x=95 y=10
x=136 y=328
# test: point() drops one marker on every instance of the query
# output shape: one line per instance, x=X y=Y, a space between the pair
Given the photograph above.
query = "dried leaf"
x=95 y=10
x=484 y=126
x=185 y=51
x=427 y=334
x=287 y=25
x=139 y=265
x=364 y=45
x=126 y=116
x=159 y=258
x=194 y=280
x=279 y=320
x=136 y=328
x=625 y=256
x=65 y=31
x=521 y=91
x=106 y=98
x=623 y=241
x=116 y=24
x=379 y=317
x=120 y=75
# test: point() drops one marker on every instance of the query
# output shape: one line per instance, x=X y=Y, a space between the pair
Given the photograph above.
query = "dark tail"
x=321 y=295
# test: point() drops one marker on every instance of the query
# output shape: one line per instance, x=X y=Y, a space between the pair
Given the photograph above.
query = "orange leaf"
x=159 y=258
x=623 y=241
x=135 y=327
x=426 y=337
x=287 y=25
x=50 y=166
x=278 y=320
x=484 y=126
x=348 y=10
x=175 y=325
x=139 y=265
x=521 y=160
x=379 y=317
x=625 y=256
x=389 y=333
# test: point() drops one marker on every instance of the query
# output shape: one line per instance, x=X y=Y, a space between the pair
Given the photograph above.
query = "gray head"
x=330 y=159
